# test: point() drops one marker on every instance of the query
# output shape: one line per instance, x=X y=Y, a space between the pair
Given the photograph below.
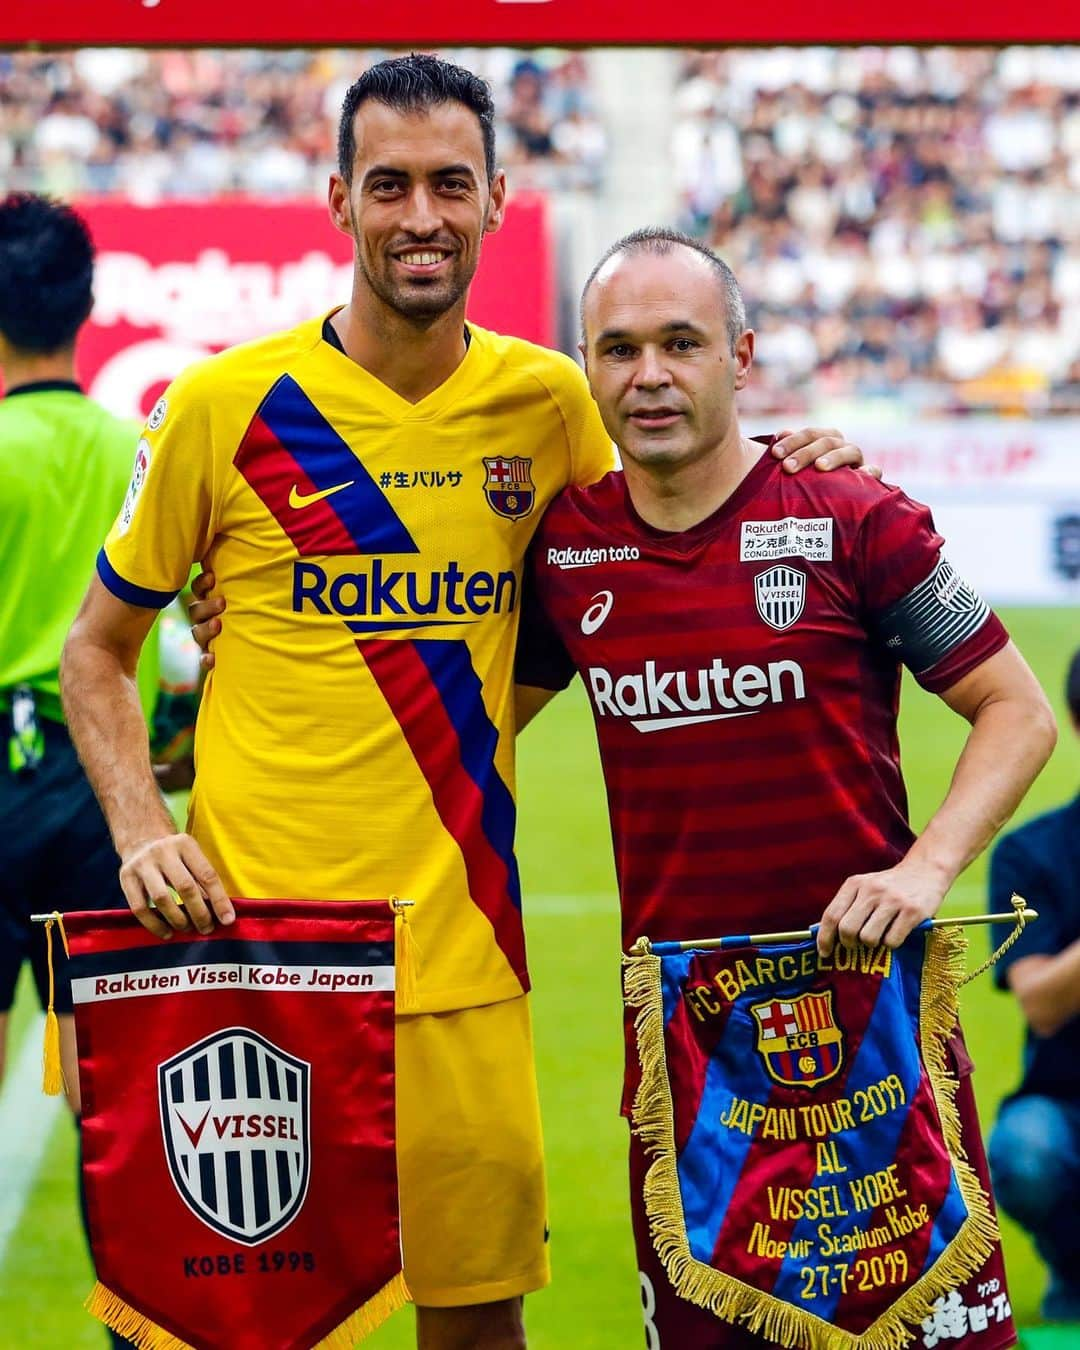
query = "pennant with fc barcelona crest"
x=799 y=1038
x=807 y=1179
x=238 y=1125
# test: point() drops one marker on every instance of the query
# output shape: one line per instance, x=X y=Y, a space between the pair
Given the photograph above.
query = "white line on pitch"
x=26 y=1120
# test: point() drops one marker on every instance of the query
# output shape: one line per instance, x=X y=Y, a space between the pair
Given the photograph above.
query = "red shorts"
x=977 y=1316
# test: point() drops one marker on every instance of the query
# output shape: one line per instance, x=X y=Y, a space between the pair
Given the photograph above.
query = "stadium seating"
x=903 y=220
x=153 y=124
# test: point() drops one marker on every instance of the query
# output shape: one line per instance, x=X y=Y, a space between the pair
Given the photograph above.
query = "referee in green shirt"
x=65 y=464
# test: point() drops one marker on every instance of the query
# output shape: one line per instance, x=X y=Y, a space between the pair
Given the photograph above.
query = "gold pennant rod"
x=1020 y=915
x=397 y=905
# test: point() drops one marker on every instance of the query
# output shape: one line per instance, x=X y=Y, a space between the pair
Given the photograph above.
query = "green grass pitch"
x=573 y=941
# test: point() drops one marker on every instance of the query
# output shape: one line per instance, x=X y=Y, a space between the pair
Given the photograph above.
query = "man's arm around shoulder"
x=101 y=703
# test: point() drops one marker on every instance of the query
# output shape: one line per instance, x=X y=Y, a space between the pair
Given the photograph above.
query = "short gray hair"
x=660 y=241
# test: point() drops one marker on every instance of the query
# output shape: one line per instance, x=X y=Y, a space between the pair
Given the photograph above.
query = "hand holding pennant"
x=808 y=1180
x=238 y=1125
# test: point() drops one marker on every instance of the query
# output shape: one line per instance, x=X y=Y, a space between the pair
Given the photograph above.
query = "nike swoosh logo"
x=298 y=500
x=194 y=1134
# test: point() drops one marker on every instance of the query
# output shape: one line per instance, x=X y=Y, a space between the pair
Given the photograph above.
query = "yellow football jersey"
x=356 y=737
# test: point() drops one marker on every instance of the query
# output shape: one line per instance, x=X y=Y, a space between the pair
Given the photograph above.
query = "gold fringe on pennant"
x=732 y=1300
x=111 y=1309
x=406 y=956
x=122 y=1318
x=360 y=1324
x=52 y=1070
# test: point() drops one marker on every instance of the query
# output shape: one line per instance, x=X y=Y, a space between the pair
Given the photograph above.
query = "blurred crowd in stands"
x=904 y=222
x=155 y=124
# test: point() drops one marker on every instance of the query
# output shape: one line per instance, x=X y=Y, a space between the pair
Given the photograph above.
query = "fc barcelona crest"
x=509 y=487
x=235 y=1120
x=799 y=1039
x=780 y=594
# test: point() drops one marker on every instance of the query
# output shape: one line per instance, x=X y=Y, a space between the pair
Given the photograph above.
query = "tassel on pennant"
x=1021 y=916
x=407 y=956
x=52 y=1071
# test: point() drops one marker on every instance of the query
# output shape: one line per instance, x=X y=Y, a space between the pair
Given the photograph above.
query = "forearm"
x=1012 y=734
x=105 y=718
x=1009 y=742
x=1048 y=989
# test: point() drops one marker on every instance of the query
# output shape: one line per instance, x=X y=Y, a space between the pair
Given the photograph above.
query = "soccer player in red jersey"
x=740 y=633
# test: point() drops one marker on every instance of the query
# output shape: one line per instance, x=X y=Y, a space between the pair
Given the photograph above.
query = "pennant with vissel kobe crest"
x=238 y=1125
x=807 y=1179
x=259 y=1115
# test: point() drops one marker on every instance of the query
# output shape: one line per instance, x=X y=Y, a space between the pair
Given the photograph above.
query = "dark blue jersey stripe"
x=329 y=462
x=128 y=591
x=452 y=671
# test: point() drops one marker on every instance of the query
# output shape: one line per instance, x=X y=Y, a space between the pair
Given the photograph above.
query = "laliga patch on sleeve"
x=135 y=487
x=157 y=415
x=792 y=537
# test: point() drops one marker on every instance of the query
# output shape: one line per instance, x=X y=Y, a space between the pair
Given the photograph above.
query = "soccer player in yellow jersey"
x=364 y=488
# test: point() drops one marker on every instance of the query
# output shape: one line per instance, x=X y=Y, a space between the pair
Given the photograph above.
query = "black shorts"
x=55 y=853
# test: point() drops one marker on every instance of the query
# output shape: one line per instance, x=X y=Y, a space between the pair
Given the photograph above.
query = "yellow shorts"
x=470 y=1156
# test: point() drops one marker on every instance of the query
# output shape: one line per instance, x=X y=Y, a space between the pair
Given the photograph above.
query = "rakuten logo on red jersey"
x=655 y=701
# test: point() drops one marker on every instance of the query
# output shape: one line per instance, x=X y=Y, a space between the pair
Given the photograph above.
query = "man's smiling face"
x=418 y=206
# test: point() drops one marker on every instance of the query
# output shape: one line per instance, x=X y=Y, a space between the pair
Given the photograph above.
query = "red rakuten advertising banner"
x=528 y=22
x=174 y=283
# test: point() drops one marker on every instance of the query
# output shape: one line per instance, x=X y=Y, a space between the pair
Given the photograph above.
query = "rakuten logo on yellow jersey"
x=396 y=597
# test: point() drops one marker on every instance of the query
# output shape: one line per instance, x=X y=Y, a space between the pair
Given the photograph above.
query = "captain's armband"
x=923 y=627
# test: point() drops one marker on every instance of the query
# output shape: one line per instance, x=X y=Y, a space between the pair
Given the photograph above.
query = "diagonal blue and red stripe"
x=434 y=692
x=880 y=1051
x=763 y=1163
x=290 y=453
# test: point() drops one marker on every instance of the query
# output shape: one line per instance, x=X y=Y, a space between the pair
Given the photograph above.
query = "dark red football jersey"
x=744 y=676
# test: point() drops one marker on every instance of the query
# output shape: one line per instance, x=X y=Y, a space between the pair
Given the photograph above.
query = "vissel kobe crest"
x=780 y=594
x=235 y=1120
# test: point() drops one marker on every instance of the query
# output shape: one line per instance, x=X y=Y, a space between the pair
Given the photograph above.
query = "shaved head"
x=659 y=242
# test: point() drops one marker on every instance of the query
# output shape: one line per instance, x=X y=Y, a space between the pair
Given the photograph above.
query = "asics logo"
x=597 y=612
x=298 y=500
